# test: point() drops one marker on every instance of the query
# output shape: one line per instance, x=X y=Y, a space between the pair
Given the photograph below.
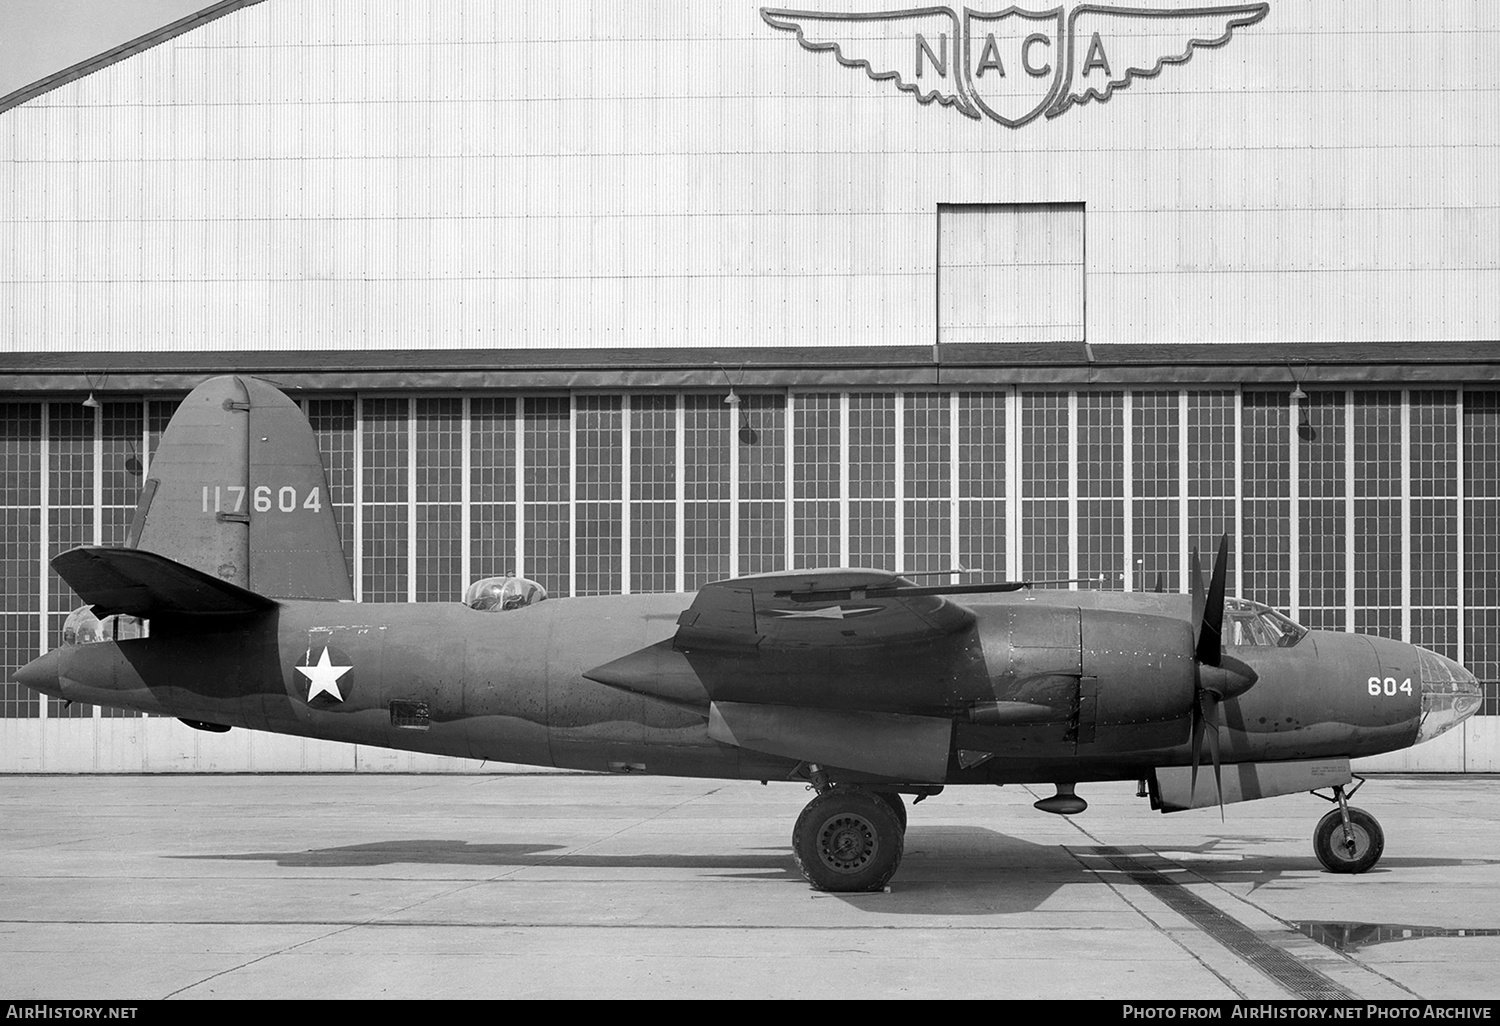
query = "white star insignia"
x=323 y=678
x=825 y=613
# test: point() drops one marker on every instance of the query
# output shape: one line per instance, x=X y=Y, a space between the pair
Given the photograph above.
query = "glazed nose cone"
x=1450 y=694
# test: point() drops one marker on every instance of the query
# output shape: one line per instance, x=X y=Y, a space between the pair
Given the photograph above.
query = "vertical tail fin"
x=237 y=490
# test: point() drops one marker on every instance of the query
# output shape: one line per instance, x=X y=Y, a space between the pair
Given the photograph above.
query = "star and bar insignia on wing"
x=323 y=675
x=1013 y=65
x=825 y=612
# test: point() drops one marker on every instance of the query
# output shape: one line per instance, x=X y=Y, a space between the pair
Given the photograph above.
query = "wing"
x=840 y=609
x=1110 y=47
x=845 y=639
x=841 y=667
x=917 y=50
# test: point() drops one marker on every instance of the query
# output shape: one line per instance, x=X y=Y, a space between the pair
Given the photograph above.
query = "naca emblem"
x=1013 y=65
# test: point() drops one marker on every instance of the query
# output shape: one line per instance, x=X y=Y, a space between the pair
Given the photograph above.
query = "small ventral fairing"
x=230 y=606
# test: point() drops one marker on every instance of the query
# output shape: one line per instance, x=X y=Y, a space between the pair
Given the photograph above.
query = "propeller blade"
x=1197 y=752
x=1210 y=634
x=1211 y=727
x=1195 y=586
x=1161 y=582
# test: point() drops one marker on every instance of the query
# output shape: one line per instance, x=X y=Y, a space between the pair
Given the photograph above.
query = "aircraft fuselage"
x=1040 y=690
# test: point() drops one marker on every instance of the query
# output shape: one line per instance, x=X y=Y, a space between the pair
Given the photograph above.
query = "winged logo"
x=1014 y=65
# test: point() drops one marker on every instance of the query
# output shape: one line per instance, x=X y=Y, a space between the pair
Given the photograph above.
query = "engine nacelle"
x=1119 y=681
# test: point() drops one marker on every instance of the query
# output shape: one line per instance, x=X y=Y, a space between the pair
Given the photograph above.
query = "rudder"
x=237 y=490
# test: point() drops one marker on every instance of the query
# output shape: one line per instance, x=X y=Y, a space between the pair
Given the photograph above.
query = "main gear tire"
x=1333 y=848
x=847 y=840
x=898 y=806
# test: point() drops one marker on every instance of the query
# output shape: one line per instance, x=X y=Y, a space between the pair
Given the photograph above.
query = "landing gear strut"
x=1347 y=840
x=848 y=839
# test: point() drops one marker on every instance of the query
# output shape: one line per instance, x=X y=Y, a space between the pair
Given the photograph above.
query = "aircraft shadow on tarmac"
x=949 y=870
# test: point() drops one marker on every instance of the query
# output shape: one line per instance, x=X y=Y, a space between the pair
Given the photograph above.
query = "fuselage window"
x=499 y=594
x=84 y=628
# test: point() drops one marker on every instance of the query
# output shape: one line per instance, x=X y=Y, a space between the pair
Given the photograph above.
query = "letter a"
x=989 y=58
x=1096 y=57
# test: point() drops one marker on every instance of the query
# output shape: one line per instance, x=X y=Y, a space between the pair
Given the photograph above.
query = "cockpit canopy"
x=84 y=628
x=1251 y=623
x=503 y=593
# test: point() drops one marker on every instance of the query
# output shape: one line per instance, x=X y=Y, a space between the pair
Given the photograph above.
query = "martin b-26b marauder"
x=230 y=606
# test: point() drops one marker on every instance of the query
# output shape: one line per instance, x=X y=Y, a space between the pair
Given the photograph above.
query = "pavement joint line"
x=1293 y=932
x=1171 y=934
x=1284 y=969
x=259 y=958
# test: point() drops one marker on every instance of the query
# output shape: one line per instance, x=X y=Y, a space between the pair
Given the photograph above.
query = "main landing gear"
x=1347 y=840
x=848 y=838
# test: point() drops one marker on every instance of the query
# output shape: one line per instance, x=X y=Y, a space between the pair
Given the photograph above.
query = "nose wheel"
x=1348 y=840
x=847 y=840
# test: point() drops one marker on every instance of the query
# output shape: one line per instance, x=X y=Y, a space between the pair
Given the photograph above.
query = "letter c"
x=1035 y=37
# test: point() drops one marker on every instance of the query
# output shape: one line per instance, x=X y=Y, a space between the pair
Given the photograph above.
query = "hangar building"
x=629 y=295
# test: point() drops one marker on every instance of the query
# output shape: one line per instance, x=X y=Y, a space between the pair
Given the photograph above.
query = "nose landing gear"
x=1347 y=840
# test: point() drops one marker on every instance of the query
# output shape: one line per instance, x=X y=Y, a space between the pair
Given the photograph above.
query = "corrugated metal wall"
x=457 y=173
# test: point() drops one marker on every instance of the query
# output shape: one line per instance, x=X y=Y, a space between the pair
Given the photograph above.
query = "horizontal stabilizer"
x=141 y=583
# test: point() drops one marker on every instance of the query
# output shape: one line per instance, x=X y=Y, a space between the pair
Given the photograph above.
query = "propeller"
x=1220 y=677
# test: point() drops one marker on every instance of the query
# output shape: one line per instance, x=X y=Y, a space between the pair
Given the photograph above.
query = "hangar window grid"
x=1322 y=538
x=1267 y=473
x=817 y=480
x=1434 y=525
x=547 y=490
x=600 y=473
x=333 y=424
x=953 y=456
x=1211 y=467
x=21 y=508
x=1481 y=538
x=1156 y=509
x=1046 y=475
x=72 y=517
x=654 y=490
x=707 y=551
x=1100 y=467
x=384 y=517
x=493 y=456
x=1377 y=467
x=982 y=528
x=437 y=478
x=760 y=441
x=872 y=479
x=926 y=470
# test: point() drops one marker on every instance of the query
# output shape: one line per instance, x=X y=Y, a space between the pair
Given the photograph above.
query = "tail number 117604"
x=263 y=499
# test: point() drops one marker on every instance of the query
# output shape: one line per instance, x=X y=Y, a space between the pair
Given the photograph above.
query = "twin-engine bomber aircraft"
x=230 y=606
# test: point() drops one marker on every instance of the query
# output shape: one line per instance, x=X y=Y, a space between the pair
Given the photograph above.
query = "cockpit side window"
x=1250 y=623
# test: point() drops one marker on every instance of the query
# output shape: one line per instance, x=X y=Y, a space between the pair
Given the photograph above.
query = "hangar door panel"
x=1010 y=272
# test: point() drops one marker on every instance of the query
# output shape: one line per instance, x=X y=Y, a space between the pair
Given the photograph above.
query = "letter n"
x=939 y=59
